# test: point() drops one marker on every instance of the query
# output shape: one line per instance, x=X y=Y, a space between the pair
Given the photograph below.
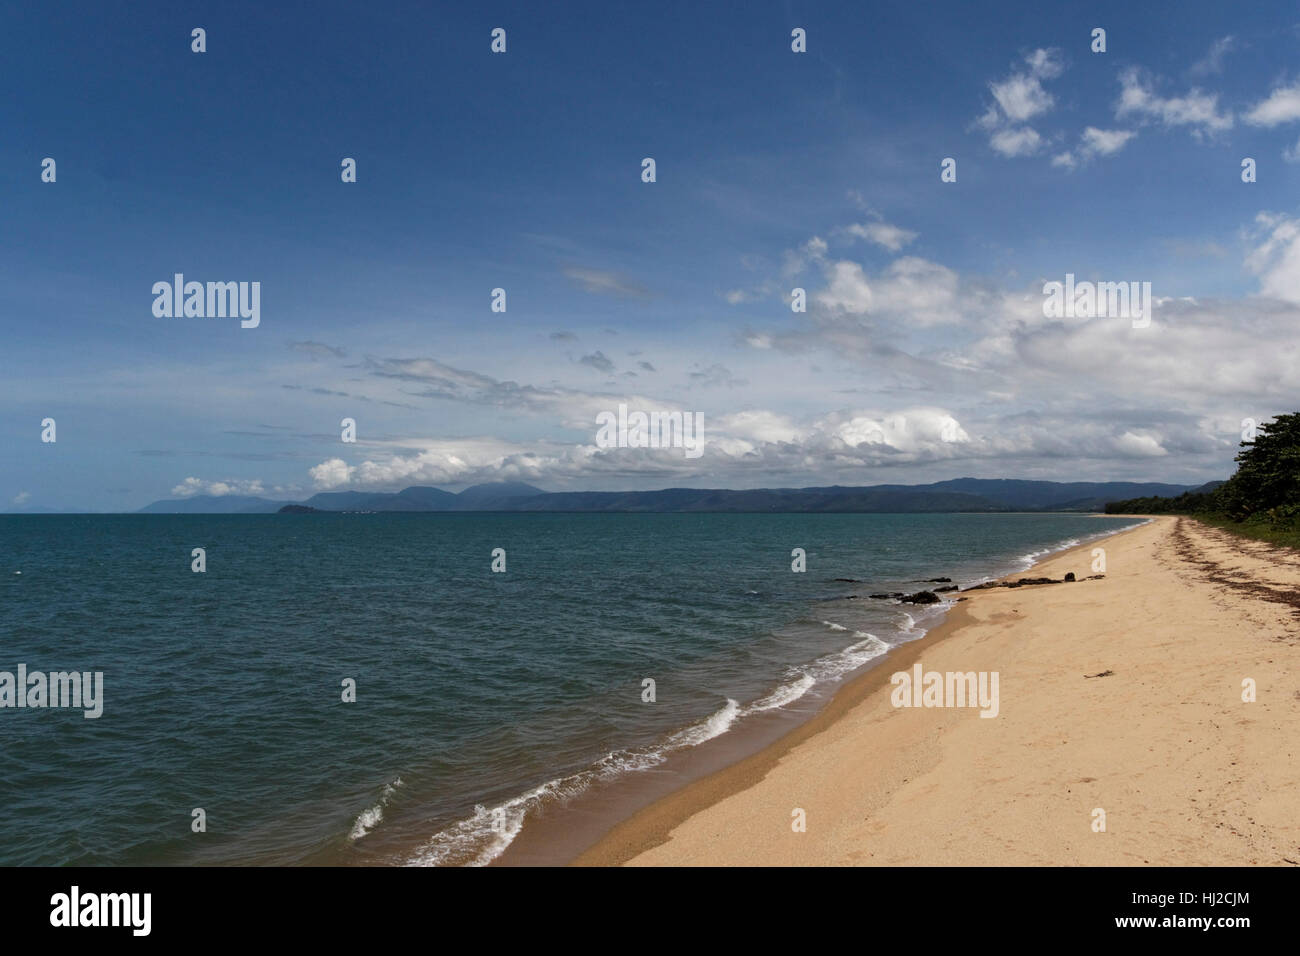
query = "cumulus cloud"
x=1021 y=96
x=1020 y=141
x=1006 y=389
x=231 y=486
x=757 y=442
x=1089 y=390
x=1276 y=260
x=1197 y=110
x=1280 y=106
x=1104 y=142
x=848 y=289
x=910 y=289
x=1017 y=99
x=1094 y=142
x=1138 y=445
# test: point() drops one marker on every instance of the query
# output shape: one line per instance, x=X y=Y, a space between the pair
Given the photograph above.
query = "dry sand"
x=1186 y=772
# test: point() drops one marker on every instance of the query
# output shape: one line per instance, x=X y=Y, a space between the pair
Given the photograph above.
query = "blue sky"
x=924 y=353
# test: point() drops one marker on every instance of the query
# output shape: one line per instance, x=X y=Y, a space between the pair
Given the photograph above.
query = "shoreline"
x=652 y=826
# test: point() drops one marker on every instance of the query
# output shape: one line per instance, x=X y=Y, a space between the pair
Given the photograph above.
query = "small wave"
x=784 y=695
x=835 y=666
x=488 y=832
x=484 y=836
x=1027 y=561
x=714 y=726
x=481 y=838
x=371 y=817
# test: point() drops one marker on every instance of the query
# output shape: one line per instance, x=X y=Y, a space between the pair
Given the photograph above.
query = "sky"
x=924 y=352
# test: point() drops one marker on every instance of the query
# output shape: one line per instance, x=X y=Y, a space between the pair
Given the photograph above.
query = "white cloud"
x=919 y=292
x=1104 y=142
x=1018 y=98
x=333 y=473
x=760 y=426
x=218 y=489
x=1005 y=390
x=1021 y=97
x=21 y=497
x=1196 y=109
x=848 y=290
x=1135 y=445
x=1094 y=142
x=1280 y=106
x=1020 y=141
x=882 y=234
x=757 y=441
x=1276 y=260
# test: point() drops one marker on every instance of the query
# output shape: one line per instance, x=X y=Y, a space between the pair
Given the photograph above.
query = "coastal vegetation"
x=1261 y=500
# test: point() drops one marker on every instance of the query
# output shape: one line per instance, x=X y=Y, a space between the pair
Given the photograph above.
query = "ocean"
x=497 y=716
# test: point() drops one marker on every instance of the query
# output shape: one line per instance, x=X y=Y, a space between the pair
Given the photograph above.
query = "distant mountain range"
x=959 y=494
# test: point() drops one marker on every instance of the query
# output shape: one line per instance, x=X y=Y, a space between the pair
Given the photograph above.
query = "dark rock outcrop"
x=921 y=597
x=1012 y=584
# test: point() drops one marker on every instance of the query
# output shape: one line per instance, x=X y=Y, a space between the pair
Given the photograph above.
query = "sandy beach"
x=1122 y=694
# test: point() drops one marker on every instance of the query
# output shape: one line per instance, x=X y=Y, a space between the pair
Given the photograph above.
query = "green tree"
x=1267 y=483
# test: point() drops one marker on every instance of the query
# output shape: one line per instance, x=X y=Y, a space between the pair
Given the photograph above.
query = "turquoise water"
x=506 y=692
